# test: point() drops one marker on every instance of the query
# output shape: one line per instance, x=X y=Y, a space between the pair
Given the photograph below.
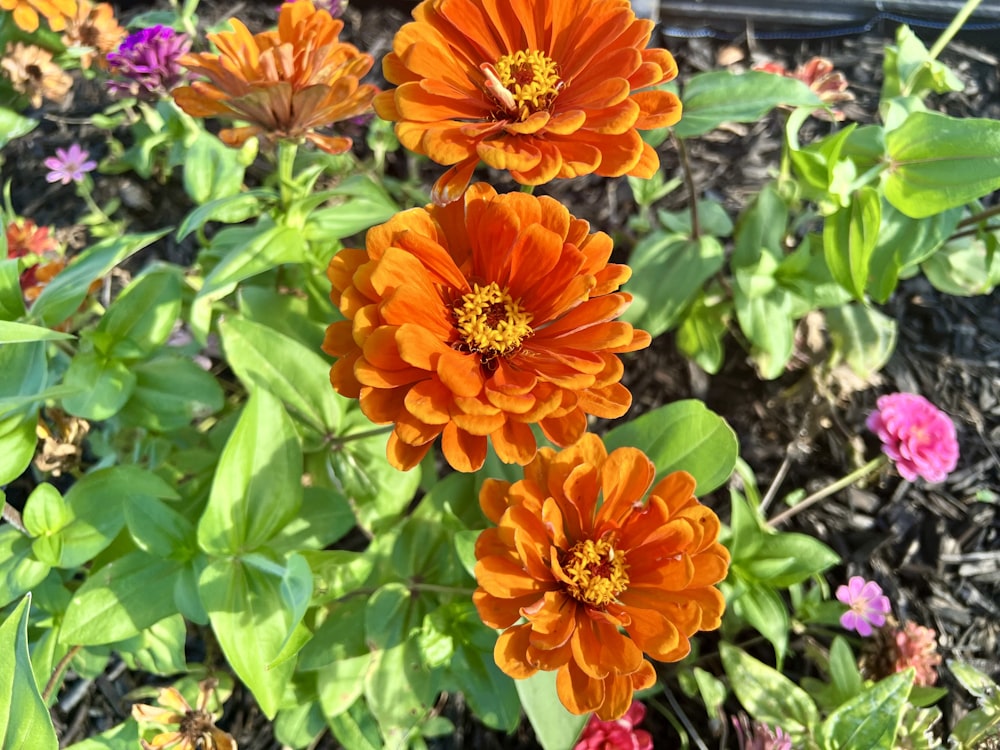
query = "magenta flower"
x=758 y=736
x=69 y=165
x=916 y=435
x=620 y=734
x=868 y=605
x=146 y=63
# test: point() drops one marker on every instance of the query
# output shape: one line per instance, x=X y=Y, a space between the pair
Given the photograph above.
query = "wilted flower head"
x=586 y=577
x=32 y=72
x=542 y=90
x=818 y=74
x=918 y=437
x=759 y=736
x=286 y=83
x=146 y=64
x=867 y=605
x=196 y=728
x=26 y=13
x=69 y=165
x=475 y=321
x=95 y=30
x=620 y=734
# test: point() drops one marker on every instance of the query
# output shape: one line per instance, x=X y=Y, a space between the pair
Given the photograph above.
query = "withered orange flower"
x=195 y=727
x=285 y=83
x=94 y=28
x=599 y=576
x=26 y=13
x=819 y=75
x=477 y=320
x=32 y=72
x=540 y=89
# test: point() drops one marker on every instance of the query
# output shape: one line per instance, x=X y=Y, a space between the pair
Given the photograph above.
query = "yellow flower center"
x=597 y=573
x=490 y=321
x=523 y=82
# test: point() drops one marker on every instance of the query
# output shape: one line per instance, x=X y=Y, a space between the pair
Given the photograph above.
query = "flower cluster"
x=867 y=605
x=475 y=321
x=147 y=64
x=618 y=734
x=285 y=83
x=918 y=437
x=541 y=90
x=600 y=576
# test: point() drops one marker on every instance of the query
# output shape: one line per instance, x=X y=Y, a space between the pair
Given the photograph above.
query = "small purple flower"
x=69 y=165
x=916 y=435
x=146 y=63
x=868 y=605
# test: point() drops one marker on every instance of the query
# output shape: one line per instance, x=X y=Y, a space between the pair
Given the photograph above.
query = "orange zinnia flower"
x=600 y=576
x=477 y=320
x=541 y=89
x=26 y=13
x=95 y=28
x=285 y=82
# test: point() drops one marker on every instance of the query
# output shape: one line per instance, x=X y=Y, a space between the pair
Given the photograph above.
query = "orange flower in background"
x=541 y=89
x=26 y=13
x=477 y=320
x=285 y=83
x=24 y=237
x=32 y=72
x=600 y=577
x=95 y=28
x=195 y=727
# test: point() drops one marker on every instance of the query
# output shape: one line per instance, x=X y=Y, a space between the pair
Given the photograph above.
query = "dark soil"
x=935 y=550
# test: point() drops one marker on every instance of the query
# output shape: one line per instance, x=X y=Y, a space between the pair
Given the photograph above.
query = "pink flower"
x=916 y=646
x=868 y=605
x=757 y=736
x=819 y=75
x=69 y=165
x=616 y=735
x=916 y=435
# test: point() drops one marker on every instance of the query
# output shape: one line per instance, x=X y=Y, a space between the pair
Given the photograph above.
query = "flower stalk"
x=858 y=474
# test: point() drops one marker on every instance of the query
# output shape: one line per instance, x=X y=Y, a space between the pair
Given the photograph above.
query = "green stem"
x=57 y=673
x=692 y=190
x=337 y=442
x=869 y=468
x=11 y=516
x=286 y=171
x=953 y=28
x=980 y=217
x=529 y=189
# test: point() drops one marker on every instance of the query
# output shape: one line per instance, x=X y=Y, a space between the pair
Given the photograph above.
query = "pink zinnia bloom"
x=868 y=605
x=916 y=646
x=616 y=735
x=758 y=736
x=69 y=165
x=916 y=435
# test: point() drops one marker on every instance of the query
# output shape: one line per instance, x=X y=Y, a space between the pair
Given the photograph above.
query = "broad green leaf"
x=103 y=386
x=25 y=723
x=17 y=333
x=20 y=571
x=668 y=272
x=965 y=267
x=763 y=609
x=299 y=725
x=713 y=219
x=14 y=125
x=356 y=728
x=120 y=600
x=844 y=673
x=158 y=649
x=849 y=238
x=702 y=330
x=212 y=169
x=555 y=727
x=767 y=694
x=684 y=435
x=171 y=392
x=300 y=377
x=290 y=314
x=338 y=571
x=141 y=318
x=231 y=209
x=746 y=529
x=400 y=691
x=11 y=296
x=45 y=515
x=711 y=99
x=768 y=323
x=391 y=615
x=340 y=636
x=871 y=719
x=360 y=204
x=123 y=737
x=24 y=368
x=325 y=517
x=159 y=530
x=251 y=624
x=976 y=682
x=937 y=162
x=17 y=446
x=342 y=682
x=258 y=483
x=787 y=558
x=908 y=69
x=62 y=296
x=250 y=251
x=861 y=336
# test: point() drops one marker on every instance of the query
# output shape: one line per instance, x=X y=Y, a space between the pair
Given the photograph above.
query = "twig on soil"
x=854 y=476
x=779 y=477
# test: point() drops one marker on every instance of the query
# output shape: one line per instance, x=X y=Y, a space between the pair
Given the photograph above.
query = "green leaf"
x=159 y=530
x=25 y=723
x=231 y=209
x=103 y=386
x=767 y=694
x=965 y=267
x=20 y=572
x=849 y=238
x=339 y=638
x=24 y=368
x=171 y=392
x=120 y=600
x=684 y=435
x=14 y=125
x=325 y=517
x=400 y=691
x=668 y=271
x=17 y=446
x=908 y=69
x=250 y=251
x=361 y=204
x=158 y=649
x=356 y=728
x=11 y=296
x=16 y=333
x=768 y=323
x=784 y=559
x=251 y=624
x=140 y=320
x=702 y=330
x=847 y=681
x=747 y=531
x=976 y=682
x=62 y=296
x=939 y=162
x=861 y=336
x=123 y=737
x=212 y=169
x=258 y=483
x=555 y=727
x=260 y=356
x=763 y=609
x=871 y=719
x=342 y=682
x=711 y=99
